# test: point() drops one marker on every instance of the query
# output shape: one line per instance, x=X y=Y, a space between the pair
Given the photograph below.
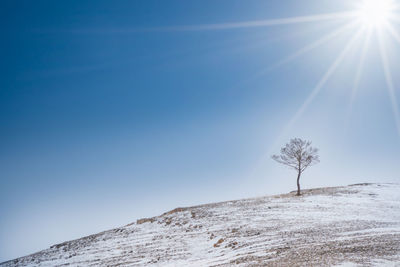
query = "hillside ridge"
x=359 y=223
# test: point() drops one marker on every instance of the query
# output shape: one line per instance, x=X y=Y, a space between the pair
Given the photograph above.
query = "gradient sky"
x=115 y=110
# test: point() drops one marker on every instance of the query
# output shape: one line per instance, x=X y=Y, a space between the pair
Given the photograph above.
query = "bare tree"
x=298 y=154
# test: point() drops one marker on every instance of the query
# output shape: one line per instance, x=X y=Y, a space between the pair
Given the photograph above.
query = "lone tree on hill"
x=298 y=154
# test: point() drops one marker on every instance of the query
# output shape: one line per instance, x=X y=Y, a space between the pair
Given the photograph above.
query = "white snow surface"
x=357 y=225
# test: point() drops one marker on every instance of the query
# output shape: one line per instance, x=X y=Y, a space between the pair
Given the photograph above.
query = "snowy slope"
x=356 y=225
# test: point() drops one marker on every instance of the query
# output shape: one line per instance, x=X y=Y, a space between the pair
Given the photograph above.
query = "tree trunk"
x=298 y=184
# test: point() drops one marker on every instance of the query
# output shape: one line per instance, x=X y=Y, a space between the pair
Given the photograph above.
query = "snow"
x=355 y=225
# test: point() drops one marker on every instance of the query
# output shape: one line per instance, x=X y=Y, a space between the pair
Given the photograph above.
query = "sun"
x=375 y=13
x=368 y=21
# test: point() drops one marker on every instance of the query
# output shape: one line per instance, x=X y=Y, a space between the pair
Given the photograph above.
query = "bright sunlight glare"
x=375 y=13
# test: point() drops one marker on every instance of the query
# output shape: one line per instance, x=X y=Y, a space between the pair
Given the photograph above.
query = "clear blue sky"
x=116 y=110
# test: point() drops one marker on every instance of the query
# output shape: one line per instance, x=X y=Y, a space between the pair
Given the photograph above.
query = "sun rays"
x=359 y=72
x=331 y=70
x=372 y=17
x=367 y=18
x=314 y=45
x=264 y=23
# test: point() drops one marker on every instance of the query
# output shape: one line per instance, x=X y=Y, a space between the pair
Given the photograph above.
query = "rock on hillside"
x=357 y=225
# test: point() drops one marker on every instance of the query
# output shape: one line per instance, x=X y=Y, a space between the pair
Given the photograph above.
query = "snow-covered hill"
x=357 y=225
